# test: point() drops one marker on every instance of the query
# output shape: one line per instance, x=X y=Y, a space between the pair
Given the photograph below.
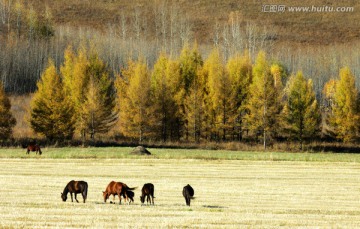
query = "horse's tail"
x=85 y=191
x=128 y=188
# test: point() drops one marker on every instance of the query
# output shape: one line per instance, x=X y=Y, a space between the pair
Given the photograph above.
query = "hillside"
x=289 y=27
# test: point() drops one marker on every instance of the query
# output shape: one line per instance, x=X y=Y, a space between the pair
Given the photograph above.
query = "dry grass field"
x=229 y=193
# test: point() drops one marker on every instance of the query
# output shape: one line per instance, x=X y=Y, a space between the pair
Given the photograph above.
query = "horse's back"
x=114 y=187
x=77 y=186
x=188 y=190
x=148 y=188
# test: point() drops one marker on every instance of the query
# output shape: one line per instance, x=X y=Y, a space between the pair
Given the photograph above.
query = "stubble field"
x=229 y=193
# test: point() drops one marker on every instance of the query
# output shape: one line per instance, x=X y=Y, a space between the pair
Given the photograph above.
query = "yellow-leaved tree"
x=239 y=69
x=344 y=117
x=166 y=91
x=52 y=114
x=263 y=104
x=301 y=112
x=7 y=120
x=75 y=80
x=91 y=92
x=134 y=95
x=217 y=97
x=98 y=111
x=191 y=103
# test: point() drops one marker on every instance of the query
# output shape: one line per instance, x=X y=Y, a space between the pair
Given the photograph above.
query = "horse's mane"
x=66 y=189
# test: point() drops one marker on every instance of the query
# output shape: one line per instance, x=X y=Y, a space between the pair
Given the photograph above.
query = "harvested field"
x=229 y=193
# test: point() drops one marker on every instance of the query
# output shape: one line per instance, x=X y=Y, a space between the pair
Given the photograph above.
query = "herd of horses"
x=121 y=190
x=113 y=188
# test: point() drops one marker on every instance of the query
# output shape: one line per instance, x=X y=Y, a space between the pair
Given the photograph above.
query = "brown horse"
x=33 y=148
x=147 y=191
x=116 y=188
x=75 y=187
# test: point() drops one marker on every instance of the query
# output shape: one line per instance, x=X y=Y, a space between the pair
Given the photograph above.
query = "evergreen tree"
x=7 y=120
x=301 y=112
x=51 y=112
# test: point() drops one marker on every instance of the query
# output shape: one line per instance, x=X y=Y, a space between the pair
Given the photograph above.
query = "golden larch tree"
x=263 y=103
x=134 y=94
x=345 y=118
x=51 y=112
x=239 y=69
x=301 y=112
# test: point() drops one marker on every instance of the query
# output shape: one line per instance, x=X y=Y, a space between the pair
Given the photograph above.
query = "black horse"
x=188 y=193
x=148 y=192
x=75 y=187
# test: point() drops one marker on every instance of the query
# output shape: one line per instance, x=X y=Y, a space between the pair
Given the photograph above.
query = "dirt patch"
x=140 y=150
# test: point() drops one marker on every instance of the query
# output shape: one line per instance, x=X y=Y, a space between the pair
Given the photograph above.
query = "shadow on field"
x=213 y=206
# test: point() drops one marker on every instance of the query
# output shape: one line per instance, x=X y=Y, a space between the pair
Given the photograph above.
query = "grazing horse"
x=75 y=187
x=188 y=193
x=117 y=188
x=147 y=191
x=33 y=148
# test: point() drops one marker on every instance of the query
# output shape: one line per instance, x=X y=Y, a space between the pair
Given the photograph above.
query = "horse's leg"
x=71 y=197
x=126 y=199
x=76 y=198
x=83 y=195
x=119 y=194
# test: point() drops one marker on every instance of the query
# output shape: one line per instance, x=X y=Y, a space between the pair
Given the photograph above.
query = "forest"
x=151 y=75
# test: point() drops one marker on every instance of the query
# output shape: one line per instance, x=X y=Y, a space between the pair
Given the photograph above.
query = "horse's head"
x=142 y=198
x=106 y=196
x=63 y=197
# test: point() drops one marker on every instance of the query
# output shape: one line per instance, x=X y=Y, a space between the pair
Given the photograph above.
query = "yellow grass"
x=229 y=194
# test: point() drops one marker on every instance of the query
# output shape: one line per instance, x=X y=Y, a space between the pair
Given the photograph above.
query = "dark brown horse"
x=117 y=188
x=33 y=148
x=75 y=187
x=147 y=191
x=188 y=193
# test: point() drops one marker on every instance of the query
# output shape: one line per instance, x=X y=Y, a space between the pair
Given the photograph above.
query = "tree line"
x=188 y=99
